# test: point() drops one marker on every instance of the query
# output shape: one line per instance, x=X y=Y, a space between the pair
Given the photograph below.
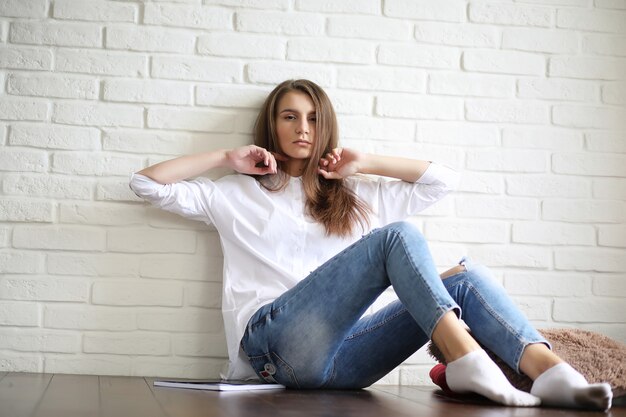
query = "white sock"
x=476 y=372
x=564 y=386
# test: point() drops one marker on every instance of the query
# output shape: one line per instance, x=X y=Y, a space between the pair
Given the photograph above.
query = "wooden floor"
x=46 y=395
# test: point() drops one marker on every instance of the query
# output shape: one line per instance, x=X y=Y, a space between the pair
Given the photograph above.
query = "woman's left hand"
x=340 y=163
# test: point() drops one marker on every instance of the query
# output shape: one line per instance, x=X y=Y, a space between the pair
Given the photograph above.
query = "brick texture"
x=525 y=98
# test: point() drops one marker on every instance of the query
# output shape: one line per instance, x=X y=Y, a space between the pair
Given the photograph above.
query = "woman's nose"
x=303 y=127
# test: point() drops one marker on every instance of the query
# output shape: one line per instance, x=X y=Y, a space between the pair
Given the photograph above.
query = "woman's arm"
x=243 y=160
x=421 y=183
x=405 y=169
x=343 y=162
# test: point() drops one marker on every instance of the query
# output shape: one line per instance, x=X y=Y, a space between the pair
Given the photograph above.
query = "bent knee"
x=405 y=228
x=475 y=274
x=482 y=277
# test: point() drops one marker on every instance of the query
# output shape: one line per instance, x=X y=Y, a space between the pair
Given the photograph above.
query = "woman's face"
x=295 y=125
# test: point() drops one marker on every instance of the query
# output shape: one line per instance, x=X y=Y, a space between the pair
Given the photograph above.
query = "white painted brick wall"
x=98 y=11
x=526 y=98
x=60 y=34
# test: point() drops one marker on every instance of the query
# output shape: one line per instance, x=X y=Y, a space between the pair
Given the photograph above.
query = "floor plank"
x=127 y=397
x=41 y=395
x=441 y=405
x=362 y=403
x=21 y=392
x=477 y=406
x=70 y=396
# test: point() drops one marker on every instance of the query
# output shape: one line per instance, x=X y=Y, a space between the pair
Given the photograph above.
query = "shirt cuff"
x=142 y=185
x=437 y=173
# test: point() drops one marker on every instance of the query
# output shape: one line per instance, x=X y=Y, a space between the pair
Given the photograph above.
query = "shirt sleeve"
x=395 y=200
x=190 y=198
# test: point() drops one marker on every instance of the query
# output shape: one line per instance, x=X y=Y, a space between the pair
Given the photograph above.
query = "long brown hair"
x=329 y=202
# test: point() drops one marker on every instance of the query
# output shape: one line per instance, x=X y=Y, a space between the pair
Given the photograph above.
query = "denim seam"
x=255 y=356
x=378 y=325
x=332 y=376
x=441 y=308
x=286 y=367
x=258 y=323
x=493 y=313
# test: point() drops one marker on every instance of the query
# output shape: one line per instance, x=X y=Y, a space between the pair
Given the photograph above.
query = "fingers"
x=254 y=160
x=332 y=175
x=267 y=166
x=270 y=163
x=271 y=158
x=331 y=158
x=260 y=162
x=334 y=156
x=268 y=160
x=263 y=171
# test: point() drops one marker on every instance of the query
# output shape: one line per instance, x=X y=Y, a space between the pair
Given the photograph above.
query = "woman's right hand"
x=244 y=159
x=253 y=160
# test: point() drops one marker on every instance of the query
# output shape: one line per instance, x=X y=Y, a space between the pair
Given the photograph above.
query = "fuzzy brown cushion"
x=598 y=357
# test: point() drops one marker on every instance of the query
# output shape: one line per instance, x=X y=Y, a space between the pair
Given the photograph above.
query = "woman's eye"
x=290 y=117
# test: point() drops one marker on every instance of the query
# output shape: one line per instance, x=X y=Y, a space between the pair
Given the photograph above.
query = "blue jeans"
x=315 y=335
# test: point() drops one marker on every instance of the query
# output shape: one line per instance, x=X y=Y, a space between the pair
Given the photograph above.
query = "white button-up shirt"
x=269 y=242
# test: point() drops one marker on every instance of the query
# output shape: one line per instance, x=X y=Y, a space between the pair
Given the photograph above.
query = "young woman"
x=309 y=244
